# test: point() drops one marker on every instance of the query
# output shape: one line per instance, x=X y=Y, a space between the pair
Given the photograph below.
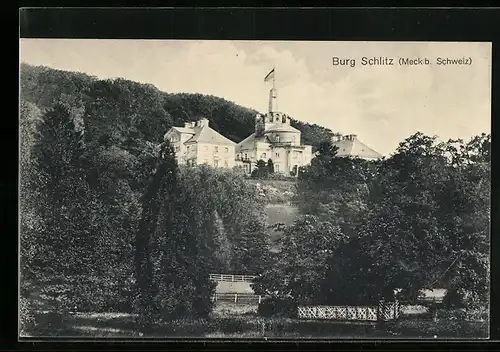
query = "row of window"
x=216 y=149
x=264 y=155
x=216 y=162
x=296 y=154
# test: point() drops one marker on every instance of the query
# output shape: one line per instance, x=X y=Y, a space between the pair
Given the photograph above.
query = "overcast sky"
x=381 y=104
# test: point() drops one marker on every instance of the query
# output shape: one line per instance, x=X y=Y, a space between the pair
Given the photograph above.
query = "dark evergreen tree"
x=162 y=183
x=261 y=170
x=270 y=166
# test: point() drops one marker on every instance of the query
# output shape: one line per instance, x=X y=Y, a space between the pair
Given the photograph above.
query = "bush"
x=451 y=314
x=278 y=307
x=463 y=314
x=26 y=316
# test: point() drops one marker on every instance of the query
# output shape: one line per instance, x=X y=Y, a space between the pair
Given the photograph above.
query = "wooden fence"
x=241 y=298
x=384 y=312
x=232 y=278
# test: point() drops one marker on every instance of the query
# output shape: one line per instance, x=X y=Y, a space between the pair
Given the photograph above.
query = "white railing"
x=338 y=313
x=238 y=297
x=232 y=278
x=385 y=311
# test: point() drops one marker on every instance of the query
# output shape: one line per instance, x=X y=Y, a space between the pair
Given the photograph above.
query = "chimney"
x=188 y=124
x=203 y=122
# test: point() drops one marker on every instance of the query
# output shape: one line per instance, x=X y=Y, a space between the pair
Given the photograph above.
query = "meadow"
x=240 y=321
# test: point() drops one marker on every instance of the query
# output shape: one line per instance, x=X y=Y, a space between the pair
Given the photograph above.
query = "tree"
x=419 y=232
x=164 y=177
x=270 y=166
x=261 y=170
x=224 y=205
x=300 y=269
x=59 y=236
x=28 y=120
x=184 y=252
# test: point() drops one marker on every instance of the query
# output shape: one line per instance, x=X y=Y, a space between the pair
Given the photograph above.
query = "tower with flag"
x=273 y=94
x=274 y=139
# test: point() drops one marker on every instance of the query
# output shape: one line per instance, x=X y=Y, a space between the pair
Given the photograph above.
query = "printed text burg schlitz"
x=401 y=61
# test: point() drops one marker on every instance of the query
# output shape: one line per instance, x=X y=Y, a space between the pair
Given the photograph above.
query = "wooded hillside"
x=141 y=109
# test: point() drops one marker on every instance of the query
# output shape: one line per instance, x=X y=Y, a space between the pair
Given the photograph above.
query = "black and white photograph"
x=268 y=190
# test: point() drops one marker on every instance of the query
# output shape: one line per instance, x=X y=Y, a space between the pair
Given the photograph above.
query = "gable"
x=207 y=135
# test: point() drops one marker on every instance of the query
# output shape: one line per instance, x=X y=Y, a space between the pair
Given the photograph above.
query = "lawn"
x=229 y=320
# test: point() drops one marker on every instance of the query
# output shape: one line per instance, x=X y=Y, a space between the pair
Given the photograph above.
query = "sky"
x=381 y=104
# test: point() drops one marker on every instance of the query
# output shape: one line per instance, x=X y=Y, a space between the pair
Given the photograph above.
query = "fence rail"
x=338 y=313
x=232 y=278
x=238 y=298
x=385 y=311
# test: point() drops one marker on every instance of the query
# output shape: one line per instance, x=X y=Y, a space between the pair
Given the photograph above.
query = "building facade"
x=274 y=138
x=196 y=143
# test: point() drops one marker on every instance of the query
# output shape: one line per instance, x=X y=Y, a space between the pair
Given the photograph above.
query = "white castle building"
x=274 y=138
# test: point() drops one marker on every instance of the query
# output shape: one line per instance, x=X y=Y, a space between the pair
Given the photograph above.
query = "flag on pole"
x=269 y=76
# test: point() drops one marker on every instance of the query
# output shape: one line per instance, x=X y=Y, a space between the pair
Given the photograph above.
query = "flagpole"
x=274 y=79
x=275 y=94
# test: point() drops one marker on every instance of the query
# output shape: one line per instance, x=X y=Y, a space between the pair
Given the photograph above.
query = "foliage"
x=110 y=222
x=419 y=219
x=270 y=166
x=149 y=111
x=278 y=307
x=261 y=170
x=230 y=216
x=300 y=268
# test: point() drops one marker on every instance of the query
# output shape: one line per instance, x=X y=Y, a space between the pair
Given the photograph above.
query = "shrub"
x=463 y=314
x=278 y=307
x=26 y=316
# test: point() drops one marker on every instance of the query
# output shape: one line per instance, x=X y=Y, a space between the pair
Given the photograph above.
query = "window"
x=277 y=139
x=216 y=149
x=277 y=155
x=177 y=148
x=187 y=148
x=216 y=162
x=226 y=150
x=263 y=156
x=246 y=156
x=277 y=168
x=226 y=163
